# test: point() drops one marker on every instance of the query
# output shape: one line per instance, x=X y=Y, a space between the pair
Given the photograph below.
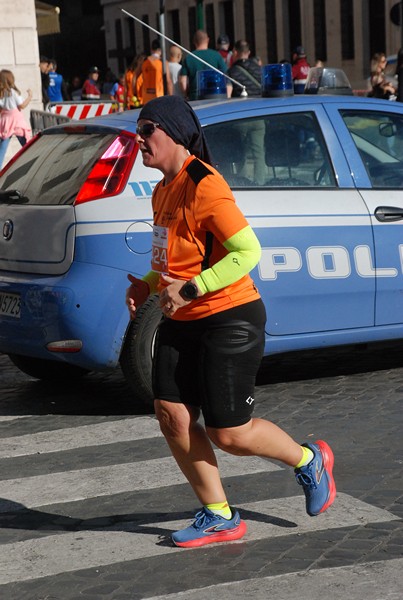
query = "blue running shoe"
x=209 y=528
x=317 y=480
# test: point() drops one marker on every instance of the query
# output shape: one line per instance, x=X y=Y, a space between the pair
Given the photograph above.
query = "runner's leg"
x=191 y=449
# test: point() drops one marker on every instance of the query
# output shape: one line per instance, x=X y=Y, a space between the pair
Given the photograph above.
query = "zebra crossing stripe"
x=124 y=430
x=127 y=541
x=371 y=581
x=70 y=486
x=13 y=417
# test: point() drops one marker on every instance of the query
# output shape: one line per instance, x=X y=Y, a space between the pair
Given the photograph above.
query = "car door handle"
x=387 y=214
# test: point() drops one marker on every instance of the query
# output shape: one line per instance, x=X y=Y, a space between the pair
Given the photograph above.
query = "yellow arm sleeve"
x=152 y=278
x=244 y=253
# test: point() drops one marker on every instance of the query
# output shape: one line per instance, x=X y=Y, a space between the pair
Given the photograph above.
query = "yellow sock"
x=220 y=508
x=307 y=456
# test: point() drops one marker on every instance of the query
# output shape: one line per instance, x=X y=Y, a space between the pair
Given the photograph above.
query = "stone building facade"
x=19 y=52
x=343 y=33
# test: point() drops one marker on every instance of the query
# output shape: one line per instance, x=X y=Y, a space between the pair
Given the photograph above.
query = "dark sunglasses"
x=146 y=130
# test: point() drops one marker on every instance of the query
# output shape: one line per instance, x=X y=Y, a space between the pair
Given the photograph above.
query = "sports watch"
x=189 y=291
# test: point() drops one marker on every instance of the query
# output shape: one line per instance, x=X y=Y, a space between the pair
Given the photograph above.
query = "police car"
x=319 y=178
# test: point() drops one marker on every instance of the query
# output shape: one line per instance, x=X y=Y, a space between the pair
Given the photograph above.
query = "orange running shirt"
x=183 y=213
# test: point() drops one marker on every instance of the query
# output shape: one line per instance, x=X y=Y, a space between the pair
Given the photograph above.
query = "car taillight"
x=109 y=175
x=20 y=151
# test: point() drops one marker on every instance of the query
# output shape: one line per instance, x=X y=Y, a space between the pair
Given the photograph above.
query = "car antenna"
x=244 y=93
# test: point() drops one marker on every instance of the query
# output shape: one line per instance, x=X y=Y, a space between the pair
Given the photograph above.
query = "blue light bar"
x=277 y=80
x=211 y=84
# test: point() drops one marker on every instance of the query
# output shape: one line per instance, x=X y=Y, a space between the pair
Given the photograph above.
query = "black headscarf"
x=180 y=122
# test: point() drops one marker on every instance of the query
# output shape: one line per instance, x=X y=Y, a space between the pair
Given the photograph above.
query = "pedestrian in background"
x=90 y=89
x=223 y=44
x=174 y=65
x=381 y=87
x=44 y=66
x=249 y=74
x=12 y=119
x=74 y=88
x=110 y=80
x=300 y=69
x=399 y=75
x=210 y=342
x=191 y=65
x=117 y=94
x=245 y=70
x=134 y=82
x=153 y=75
x=57 y=90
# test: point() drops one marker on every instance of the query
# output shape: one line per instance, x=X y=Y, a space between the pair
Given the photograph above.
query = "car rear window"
x=52 y=170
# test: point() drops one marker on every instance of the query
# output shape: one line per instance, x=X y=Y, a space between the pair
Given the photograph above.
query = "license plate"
x=10 y=305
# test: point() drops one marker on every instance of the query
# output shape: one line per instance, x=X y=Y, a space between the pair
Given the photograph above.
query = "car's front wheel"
x=48 y=370
x=137 y=353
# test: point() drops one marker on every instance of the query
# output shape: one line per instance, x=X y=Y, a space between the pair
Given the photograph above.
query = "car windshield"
x=52 y=170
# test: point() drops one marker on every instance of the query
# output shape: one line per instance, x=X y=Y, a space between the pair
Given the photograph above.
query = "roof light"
x=109 y=175
x=325 y=81
x=277 y=80
x=210 y=85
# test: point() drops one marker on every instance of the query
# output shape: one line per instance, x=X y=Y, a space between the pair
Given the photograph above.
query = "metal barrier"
x=41 y=119
x=82 y=109
x=63 y=112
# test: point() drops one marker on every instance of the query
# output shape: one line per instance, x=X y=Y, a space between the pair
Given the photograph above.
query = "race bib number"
x=159 y=260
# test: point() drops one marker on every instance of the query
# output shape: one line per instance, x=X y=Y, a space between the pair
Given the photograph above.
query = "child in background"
x=118 y=94
x=12 y=119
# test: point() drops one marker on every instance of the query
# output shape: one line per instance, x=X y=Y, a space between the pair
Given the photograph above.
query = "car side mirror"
x=387 y=129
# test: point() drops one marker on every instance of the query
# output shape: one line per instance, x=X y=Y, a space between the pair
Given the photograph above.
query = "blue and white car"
x=319 y=178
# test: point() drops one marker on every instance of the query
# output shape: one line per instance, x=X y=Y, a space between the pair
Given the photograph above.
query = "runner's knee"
x=175 y=419
x=230 y=440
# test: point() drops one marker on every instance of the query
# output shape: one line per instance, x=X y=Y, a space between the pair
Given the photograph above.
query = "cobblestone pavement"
x=90 y=492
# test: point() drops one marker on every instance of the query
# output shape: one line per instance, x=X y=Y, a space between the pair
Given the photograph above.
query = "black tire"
x=48 y=370
x=137 y=353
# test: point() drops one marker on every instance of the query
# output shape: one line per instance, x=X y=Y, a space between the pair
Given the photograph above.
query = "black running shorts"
x=212 y=363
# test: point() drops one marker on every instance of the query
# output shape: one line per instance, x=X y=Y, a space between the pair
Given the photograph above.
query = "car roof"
x=208 y=109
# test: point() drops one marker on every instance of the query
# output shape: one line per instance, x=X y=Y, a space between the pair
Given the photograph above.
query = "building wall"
x=19 y=50
x=357 y=69
x=19 y=53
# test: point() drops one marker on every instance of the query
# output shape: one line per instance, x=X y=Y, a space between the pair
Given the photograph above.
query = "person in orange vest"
x=132 y=84
x=153 y=75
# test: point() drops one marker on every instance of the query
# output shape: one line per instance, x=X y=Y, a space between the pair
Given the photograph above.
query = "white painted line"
x=70 y=486
x=13 y=417
x=58 y=440
x=368 y=581
x=46 y=556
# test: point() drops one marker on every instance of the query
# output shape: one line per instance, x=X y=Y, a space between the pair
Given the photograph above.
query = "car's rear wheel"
x=49 y=370
x=137 y=353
